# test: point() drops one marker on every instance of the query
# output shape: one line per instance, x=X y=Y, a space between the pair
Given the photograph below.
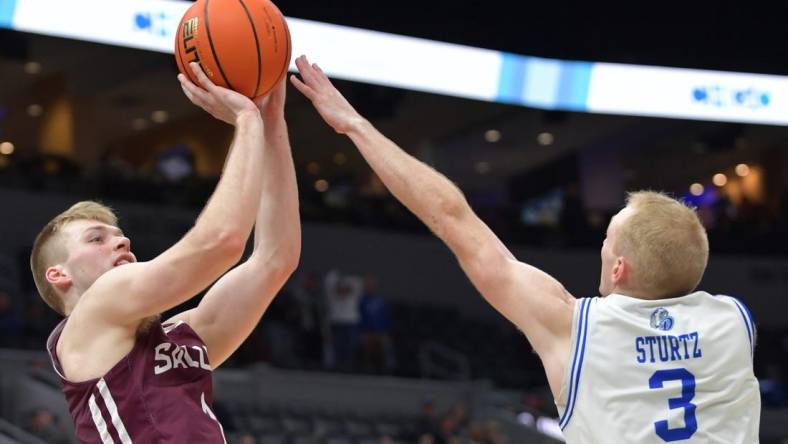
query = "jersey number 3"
x=684 y=402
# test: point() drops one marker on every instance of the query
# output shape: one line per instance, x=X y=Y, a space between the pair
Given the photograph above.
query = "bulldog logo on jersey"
x=661 y=319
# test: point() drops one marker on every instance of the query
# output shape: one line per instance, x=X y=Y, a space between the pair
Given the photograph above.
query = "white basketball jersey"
x=670 y=370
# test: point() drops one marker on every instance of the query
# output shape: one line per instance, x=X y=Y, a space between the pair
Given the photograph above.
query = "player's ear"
x=621 y=270
x=59 y=278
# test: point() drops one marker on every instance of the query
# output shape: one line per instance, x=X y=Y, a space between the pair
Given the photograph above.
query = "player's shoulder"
x=728 y=308
x=732 y=302
x=737 y=307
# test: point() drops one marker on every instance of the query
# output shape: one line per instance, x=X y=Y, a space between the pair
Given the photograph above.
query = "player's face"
x=93 y=249
x=606 y=284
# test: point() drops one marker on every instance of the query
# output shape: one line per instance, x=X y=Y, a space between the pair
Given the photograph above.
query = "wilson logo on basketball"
x=189 y=45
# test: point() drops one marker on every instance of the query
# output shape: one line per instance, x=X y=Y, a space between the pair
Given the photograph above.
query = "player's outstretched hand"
x=329 y=102
x=222 y=103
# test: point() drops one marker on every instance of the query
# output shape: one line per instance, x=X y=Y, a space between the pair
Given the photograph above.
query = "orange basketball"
x=243 y=45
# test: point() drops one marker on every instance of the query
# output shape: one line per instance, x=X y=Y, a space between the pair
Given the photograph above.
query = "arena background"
x=88 y=120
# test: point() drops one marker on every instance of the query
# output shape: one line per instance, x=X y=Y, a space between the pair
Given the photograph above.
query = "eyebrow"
x=103 y=228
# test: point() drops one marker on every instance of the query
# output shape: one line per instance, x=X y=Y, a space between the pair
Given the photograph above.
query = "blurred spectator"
x=340 y=194
x=175 y=164
x=10 y=325
x=428 y=425
x=774 y=391
x=476 y=433
x=385 y=439
x=39 y=321
x=494 y=433
x=277 y=329
x=114 y=164
x=343 y=294
x=531 y=410
x=573 y=219
x=176 y=178
x=312 y=321
x=43 y=424
x=377 y=355
x=224 y=416
x=246 y=438
x=455 y=422
x=427 y=439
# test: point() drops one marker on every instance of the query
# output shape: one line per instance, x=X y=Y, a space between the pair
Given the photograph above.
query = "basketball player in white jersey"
x=650 y=361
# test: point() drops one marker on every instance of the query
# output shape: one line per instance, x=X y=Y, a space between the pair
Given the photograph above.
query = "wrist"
x=356 y=125
x=275 y=130
x=247 y=116
x=273 y=118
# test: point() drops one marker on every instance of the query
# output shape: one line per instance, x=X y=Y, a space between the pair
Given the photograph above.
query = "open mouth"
x=123 y=260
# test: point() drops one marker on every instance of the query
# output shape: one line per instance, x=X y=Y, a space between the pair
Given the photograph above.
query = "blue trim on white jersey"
x=748 y=322
x=577 y=361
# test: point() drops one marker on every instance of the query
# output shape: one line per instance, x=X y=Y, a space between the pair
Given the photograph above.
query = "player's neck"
x=634 y=293
x=70 y=301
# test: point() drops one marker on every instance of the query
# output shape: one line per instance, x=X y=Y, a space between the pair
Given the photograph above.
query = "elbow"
x=279 y=263
x=448 y=212
x=452 y=205
x=229 y=246
x=485 y=263
x=289 y=261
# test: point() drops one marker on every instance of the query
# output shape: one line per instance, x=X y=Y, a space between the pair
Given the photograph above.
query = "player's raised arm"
x=531 y=299
x=233 y=306
x=218 y=237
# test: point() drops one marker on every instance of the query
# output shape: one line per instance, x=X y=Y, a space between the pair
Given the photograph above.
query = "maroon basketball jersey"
x=161 y=392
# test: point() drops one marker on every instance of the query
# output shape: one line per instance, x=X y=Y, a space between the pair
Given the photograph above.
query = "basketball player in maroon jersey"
x=127 y=376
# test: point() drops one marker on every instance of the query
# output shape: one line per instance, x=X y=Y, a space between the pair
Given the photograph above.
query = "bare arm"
x=233 y=306
x=531 y=299
x=125 y=295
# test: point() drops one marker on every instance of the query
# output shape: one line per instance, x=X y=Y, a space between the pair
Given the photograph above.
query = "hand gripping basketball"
x=222 y=103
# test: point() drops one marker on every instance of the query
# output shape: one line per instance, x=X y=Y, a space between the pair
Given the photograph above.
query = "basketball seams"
x=285 y=65
x=257 y=46
x=213 y=50
x=178 y=44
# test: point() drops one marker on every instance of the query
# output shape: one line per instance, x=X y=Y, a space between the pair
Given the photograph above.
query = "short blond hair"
x=48 y=249
x=666 y=243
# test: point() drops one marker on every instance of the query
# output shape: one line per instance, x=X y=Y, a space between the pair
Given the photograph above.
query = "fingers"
x=320 y=77
x=204 y=81
x=308 y=73
x=301 y=86
x=183 y=80
x=197 y=95
x=187 y=93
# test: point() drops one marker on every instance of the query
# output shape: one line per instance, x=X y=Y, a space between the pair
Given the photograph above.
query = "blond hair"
x=48 y=248
x=666 y=243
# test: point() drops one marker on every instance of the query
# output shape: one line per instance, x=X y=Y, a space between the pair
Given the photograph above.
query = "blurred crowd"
x=556 y=217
